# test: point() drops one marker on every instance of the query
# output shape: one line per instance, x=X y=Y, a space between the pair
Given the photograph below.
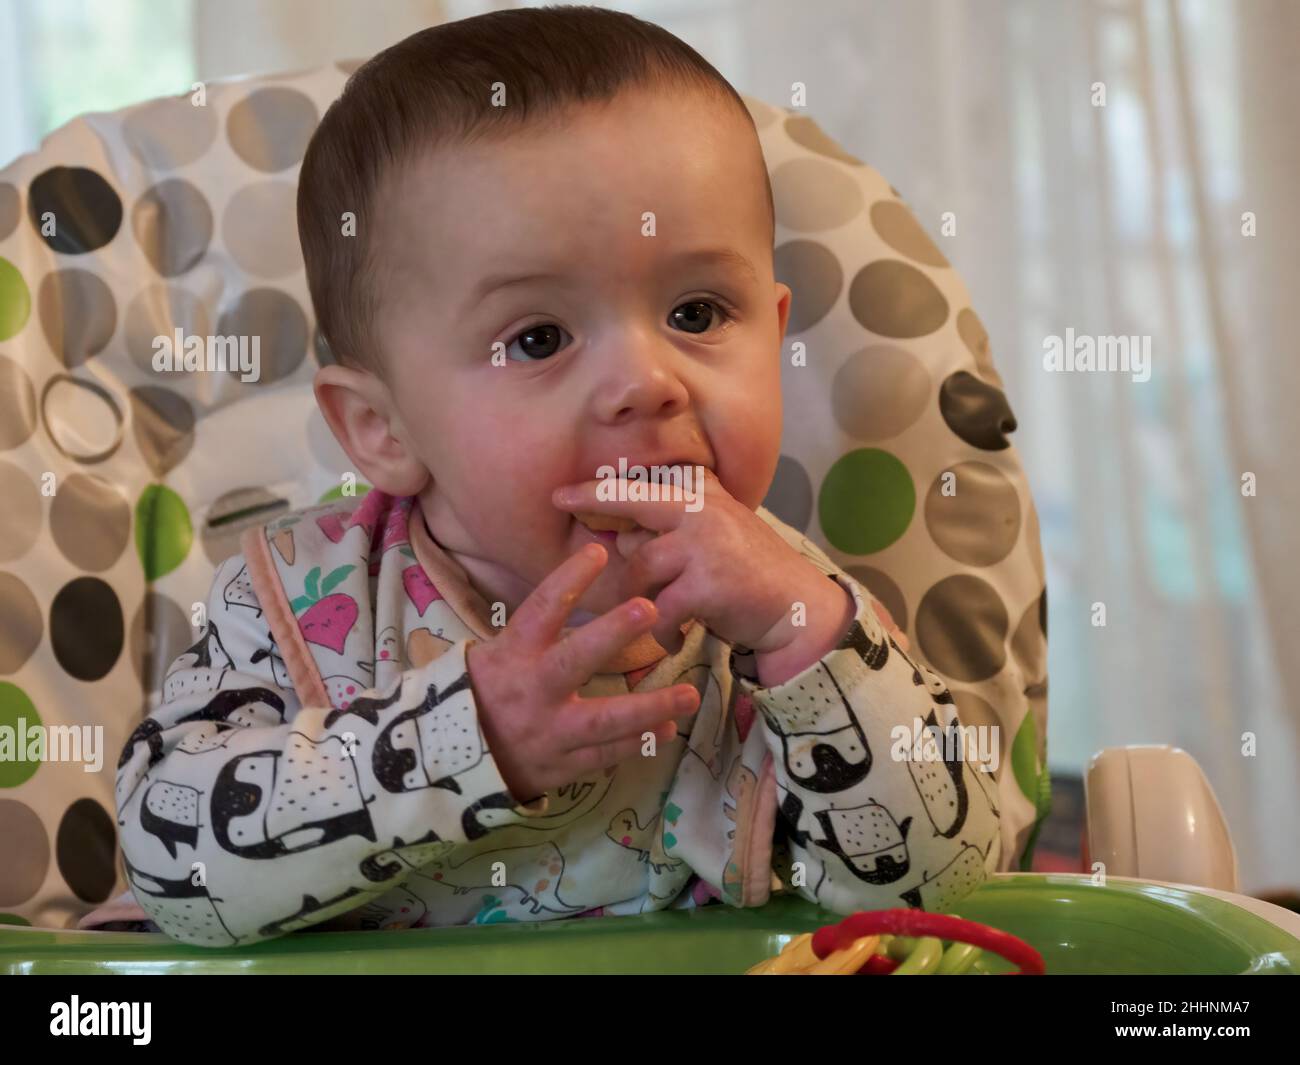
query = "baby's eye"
x=695 y=316
x=537 y=342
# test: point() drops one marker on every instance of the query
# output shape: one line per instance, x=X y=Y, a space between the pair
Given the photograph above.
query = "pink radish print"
x=326 y=619
x=419 y=589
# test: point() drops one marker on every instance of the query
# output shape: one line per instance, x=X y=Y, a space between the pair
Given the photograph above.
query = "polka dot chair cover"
x=123 y=486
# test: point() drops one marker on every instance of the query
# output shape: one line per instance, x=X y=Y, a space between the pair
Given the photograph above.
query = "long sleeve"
x=244 y=815
x=820 y=783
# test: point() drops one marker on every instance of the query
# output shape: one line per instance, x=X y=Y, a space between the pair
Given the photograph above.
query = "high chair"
x=124 y=485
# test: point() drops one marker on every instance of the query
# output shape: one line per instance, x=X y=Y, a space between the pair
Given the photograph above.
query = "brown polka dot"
x=90 y=520
x=260 y=229
x=85 y=846
x=962 y=628
x=23 y=833
x=879 y=392
x=22 y=515
x=882 y=586
x=980 y=523
x=815 y=278
x=158 y=311
x=899 y=229
x=172 y=223
x=160 y=630
x=78 y=314
x=975 y=710
x=278 y=321
x=896 y=300
x=269 y=129
x=1029 y=644
x=163 y=425
x=812 y=194
x=168 y=133
x=806 y=133
x=790 y=497
x=86 y=628
x=10 y=209
x=17 y=404
x=976 y=338
x=23 y=625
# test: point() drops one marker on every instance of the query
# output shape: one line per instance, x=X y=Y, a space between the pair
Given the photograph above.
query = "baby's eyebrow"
x=705 y=256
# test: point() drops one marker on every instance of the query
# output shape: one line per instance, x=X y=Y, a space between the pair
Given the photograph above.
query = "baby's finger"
x=540 y=617
x=567 y=665
x=613 y=718
x=602 y=756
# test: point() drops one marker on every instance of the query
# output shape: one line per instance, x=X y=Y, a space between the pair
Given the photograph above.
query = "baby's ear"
x=783 y=296
x=363 y=417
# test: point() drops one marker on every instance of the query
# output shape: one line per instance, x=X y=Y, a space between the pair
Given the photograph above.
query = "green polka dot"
x=15 y=768
x=867 y=501
x=337 y=492
x=1024 y=757
x=15 y=300
x=13 y=918
x=163 y=531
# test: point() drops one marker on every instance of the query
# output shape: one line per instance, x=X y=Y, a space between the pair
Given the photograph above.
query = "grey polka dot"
x=82 y=418
x=172 y=223
x=269 y=129
x=78 y=314
x=20 y=635
x=896 y=300
x=791 y=496
x=160 y=630
x=163 y=425
x=974 y=710
x=279 y=323
x=805 y=132
x=158 y=311
x=882 y=586
x=21 y=516
x=979 y=523
x=260 y=229
x=815 y=278
x=17 y=404
x=1028 y=645
x=812 y=194
x=976 y=338
x=10 y=209
x=899 y=229
x=879 y=392
x=166 y=134
x=232 y=513
x=90 y=520
x=962 y=628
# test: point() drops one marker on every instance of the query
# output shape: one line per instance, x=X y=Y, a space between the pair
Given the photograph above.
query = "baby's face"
x=623 y=260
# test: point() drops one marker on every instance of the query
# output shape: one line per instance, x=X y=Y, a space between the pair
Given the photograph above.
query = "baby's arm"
x=244 y=815
x=868 y=827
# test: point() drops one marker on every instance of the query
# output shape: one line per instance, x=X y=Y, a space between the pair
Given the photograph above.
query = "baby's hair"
x=436 y=88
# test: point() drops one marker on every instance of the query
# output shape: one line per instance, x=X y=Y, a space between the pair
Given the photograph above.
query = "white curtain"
x=1115 y=220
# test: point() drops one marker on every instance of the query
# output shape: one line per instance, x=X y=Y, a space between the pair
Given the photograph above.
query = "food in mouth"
x=605 y=522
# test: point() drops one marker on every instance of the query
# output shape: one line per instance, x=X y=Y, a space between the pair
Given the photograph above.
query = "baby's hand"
x=525 y=681
x=725 y=566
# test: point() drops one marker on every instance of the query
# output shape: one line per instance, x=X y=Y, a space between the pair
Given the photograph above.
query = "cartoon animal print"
x=239 y=706
x=279 y=671
x=535 y=871
x=210 y=736
x=148 y=732
x=646 y=840
x=940 y=782
x=924 y=677
x=365 y=707
x=387 y=864
x=398 y=909
x=244 y=821
x=200 y=668
x=873 y=652
x=239 y=591
x=569 y=803
x=868 y=839
x=833 y=757
x=388 y=656
x=951 y=884
x=342 y=690
x=741 y=785
x=312 y=912
x=705 y=731
x=170 y=812
x=182 y=908
x=326 y=617
x=431 y=744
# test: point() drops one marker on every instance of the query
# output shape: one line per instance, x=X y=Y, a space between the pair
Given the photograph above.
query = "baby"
x=507 y=684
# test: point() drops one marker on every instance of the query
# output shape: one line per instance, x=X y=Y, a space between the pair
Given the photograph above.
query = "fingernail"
x=638 y=611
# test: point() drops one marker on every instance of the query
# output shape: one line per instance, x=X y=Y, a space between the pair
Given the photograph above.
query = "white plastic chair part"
x=1152 y=814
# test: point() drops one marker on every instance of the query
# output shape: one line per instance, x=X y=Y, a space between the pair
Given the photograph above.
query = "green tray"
x=1125 y=927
